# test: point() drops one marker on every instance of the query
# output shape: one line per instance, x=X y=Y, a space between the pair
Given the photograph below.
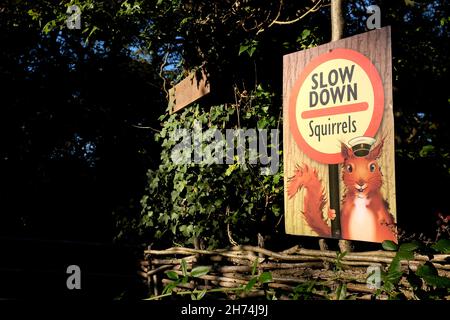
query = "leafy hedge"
x=213 y=201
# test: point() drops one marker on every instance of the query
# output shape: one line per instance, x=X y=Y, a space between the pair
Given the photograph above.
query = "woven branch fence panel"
x=232 y=268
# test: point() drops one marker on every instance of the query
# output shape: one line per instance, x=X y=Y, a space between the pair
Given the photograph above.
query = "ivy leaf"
x=426 y=150
x=276 y=178
x=249 y=46
x=306 y=33
x=437 y=281
x=94 y=28
x=230 y=169
x=199 y=271
x=442 y=246
x=388 y=285
x=341 y=291
x=429 y=274
x=394 y=273
x=405 y=255
x=251 y=51
x=406 y=250
x=393 y=277
x=395 y=264
x=172 y=275
x=255 y=264
x=427 y=269
x=184 y=267
x=201 y=294
x=169 y=287
x=243 y=48
x=250 y=284
x=410 y=246
x=276 y=210
x=49 y=26
x=265 y=277
x=389 y=245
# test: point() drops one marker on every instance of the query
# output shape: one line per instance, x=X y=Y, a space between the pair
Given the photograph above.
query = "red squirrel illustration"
x=364 y=212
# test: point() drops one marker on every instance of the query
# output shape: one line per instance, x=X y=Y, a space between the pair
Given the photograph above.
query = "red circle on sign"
x=378 y=93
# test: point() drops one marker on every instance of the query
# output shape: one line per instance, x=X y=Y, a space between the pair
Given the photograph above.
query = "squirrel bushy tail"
x=314 y=200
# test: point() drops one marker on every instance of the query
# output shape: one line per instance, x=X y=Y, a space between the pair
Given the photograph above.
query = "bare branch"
x=315 y=8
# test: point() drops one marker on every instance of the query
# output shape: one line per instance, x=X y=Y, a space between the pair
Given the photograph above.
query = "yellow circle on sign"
x=335 y=103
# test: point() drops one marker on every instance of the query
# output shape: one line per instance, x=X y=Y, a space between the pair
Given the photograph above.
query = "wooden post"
x=337 y=28
x=260 y=245
x=337 y=20
x=324 y=247
x=333 y=174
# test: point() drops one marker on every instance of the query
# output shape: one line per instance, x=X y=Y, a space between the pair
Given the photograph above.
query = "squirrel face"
x=361 y=175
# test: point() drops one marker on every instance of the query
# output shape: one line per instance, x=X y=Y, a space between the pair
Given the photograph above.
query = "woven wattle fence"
x=232 y=268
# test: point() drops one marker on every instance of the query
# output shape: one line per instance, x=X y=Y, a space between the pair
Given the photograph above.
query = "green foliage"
x=430 y=275
x=185 y=201
x=304 y=291
x=265 y=277
x=249 y=47
x=199 y=271
x=249 y=286
x=176 y=279
x=184 y=267
x=341 y=291
x=442 y=246
x=260 y=281
x=425 y=281
x=409 y=247
x=338 y=262
x=389 y=245
x=172 y=275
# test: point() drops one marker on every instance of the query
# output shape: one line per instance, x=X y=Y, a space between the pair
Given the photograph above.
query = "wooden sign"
x=189 y=90
x=337 y=106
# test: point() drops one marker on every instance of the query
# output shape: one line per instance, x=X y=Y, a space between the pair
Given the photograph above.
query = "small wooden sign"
x=189 y=90
x=337 y=102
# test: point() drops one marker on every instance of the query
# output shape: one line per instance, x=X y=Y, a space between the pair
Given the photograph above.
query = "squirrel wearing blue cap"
x=364 y=212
